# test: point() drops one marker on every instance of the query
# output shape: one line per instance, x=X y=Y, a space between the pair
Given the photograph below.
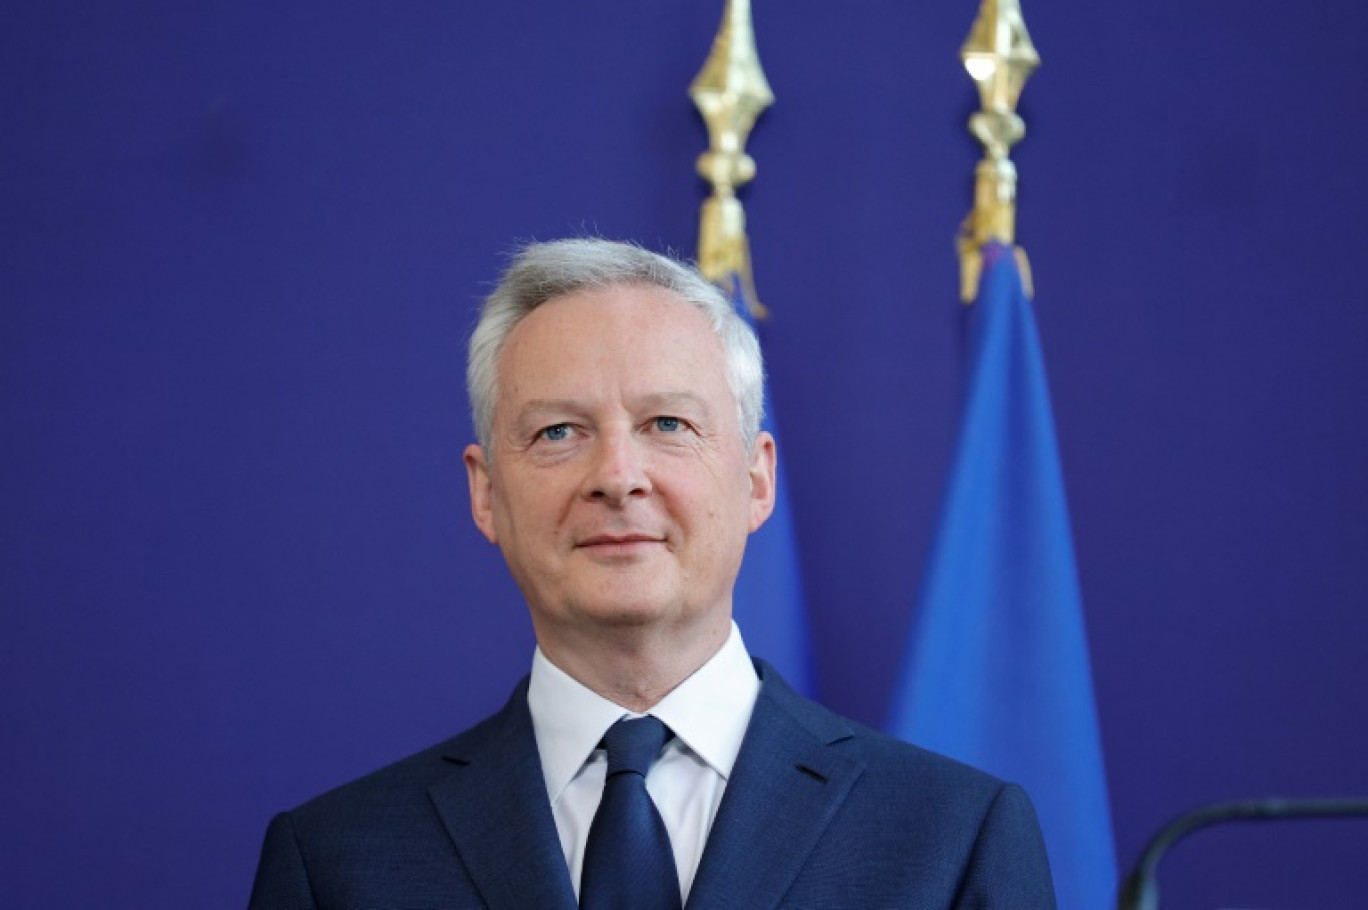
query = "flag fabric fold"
x=768 y=601
x=997 y=674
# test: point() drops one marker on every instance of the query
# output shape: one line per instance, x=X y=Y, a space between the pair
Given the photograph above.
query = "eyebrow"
x=536 y=405
x=536 y=410
x=659 y=402
x=675 y=401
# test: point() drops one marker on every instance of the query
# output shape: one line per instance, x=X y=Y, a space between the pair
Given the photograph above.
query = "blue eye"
x=667 y=424
x=556 y=432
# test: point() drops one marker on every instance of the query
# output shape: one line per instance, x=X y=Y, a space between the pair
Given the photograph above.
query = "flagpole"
x=730 y=92
x=998 y=674
x=1000 y=58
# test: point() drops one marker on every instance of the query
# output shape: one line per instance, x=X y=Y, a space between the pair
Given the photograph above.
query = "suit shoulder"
x=914 y=759
x=914 y=828
x=884 y=757
x=404 y=781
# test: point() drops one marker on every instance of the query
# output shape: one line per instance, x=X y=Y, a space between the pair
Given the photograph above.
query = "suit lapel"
x=786 y=787
x=495 y=808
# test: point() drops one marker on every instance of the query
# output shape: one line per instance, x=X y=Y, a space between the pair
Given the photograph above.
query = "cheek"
x=513 y=516
x=536 y=511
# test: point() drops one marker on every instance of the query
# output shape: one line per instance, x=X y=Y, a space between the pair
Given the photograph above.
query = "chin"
x=639 y=596
x=624 y=615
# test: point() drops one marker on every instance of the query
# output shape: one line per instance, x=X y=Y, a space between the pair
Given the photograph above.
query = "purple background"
x=241 y=245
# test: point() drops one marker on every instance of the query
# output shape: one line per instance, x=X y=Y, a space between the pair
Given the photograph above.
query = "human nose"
x=619 y=469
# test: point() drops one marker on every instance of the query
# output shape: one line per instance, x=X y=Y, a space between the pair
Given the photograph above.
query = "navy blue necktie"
x=628 y=863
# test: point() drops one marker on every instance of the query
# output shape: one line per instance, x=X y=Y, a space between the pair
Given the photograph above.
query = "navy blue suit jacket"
x=819 y=812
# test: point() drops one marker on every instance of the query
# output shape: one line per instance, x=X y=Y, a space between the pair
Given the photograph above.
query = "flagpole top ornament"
x=730 y=92
x=999 y=57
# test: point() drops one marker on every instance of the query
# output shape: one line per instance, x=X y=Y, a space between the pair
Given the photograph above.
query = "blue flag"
x=768 y=599
x=998 y=674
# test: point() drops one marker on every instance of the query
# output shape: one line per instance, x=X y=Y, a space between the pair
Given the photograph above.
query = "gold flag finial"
x=730 y=92
x=1000 y=57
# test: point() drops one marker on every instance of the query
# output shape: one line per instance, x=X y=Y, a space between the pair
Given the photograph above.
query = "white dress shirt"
x=708 y=714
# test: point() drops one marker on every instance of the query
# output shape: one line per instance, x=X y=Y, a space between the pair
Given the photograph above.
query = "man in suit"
x=620 y=468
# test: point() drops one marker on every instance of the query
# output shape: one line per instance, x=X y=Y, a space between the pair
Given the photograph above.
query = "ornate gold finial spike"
x=1000 y=58
x=730 y=92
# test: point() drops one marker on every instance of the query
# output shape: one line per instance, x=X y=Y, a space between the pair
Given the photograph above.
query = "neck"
x=633 y=666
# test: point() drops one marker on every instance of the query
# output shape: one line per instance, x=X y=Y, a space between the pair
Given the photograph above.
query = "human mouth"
x=610 y=545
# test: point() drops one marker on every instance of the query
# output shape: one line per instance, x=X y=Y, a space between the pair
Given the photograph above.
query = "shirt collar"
x=708 y=712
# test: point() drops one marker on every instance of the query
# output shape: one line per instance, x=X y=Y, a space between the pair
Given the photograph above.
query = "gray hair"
x=543 y=271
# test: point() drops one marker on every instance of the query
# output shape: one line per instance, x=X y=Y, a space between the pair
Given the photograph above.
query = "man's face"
x=618 y=485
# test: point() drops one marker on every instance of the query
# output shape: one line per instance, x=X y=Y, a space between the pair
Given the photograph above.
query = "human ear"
x=481 y=491
x=763 y=477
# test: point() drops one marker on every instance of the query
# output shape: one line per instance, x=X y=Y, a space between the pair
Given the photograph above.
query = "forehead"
x=637 y=334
